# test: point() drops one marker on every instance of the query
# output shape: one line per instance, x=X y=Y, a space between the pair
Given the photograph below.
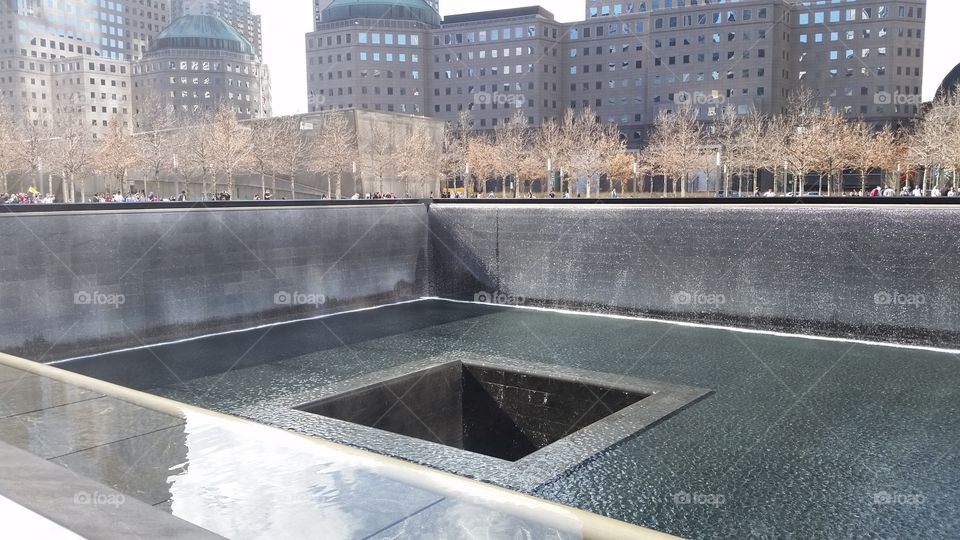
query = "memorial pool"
x=798 y=437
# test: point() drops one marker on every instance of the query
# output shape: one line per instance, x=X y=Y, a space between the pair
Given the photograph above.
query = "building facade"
x=80 y=52
x=628 y=61
x=85 y=52
x=198 y=64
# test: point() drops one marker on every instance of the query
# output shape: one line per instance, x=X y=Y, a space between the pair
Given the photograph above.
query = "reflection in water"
x=296 y=486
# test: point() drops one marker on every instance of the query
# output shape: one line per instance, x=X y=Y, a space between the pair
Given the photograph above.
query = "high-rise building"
x=76 y=51
x=236 y=12
x=628 y=61
x=198 y=64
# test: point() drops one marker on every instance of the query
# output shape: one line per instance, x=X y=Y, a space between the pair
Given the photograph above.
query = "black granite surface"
x=82 y=282
x=874 y=273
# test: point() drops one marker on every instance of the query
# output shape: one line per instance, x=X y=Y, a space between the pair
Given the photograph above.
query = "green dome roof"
x=403 y=10
x=201 y=32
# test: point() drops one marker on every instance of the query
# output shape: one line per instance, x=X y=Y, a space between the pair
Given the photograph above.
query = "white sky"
x=285 y=23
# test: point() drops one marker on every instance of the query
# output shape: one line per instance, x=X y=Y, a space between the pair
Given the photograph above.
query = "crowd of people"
x=31 y=197
x=906 y=191
x=34 y=197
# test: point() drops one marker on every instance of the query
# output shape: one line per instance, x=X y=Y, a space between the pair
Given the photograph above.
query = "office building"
x=628 y=61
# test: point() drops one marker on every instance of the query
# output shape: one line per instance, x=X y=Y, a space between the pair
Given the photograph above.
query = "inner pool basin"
x=771 y=435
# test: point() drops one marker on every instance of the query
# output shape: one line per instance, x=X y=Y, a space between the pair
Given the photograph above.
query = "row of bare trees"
x=809 y=140
x=212 y=151
x=517 y=155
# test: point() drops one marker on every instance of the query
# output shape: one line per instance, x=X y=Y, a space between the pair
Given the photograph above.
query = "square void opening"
x=499 y=412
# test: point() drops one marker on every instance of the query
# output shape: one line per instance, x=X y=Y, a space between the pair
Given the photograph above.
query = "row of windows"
x=641 y=6
x=196 y=65
x=483 y=36
x=365 y=73
x=195 y=94
x=376 y=38
x=865 y=13
x=206 y=81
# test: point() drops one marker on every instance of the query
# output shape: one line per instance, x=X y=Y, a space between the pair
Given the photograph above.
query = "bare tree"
x=200 y=152
x=118 y=152
x=8 y=138
x=335 y=150
x=554 y=146
x=378 y=154
x=294 y=151
x=456 y=140
x=155 y=127
x=483 y=162
x=75 y=151
x=32 y=136
x=727 y=131
x=265 y=150
x=620 y=167
x=934 y=141
x=417 y=156
x=512 y=141
x=834 y=149
x=679 y=144
x=232 y=145
x=800 y=138
x=757 y=150
x=591 y=144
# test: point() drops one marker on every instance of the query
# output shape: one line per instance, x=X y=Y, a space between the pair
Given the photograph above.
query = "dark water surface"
x=800 y=438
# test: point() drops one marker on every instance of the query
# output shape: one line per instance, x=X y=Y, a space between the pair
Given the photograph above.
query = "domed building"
x=198 y=64
x=371 y=54
x=950 y=82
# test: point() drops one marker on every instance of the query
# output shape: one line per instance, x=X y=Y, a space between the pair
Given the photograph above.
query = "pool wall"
x=76 y=282
x=866 y=272
x=82 y=280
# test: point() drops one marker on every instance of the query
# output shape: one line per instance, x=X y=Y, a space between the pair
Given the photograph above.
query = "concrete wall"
x=885 y=273
x=89 y=281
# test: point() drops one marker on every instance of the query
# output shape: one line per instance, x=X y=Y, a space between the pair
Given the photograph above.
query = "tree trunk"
x=329 y=187
x=273 y=184
x=83 y=191
x=339 y=186
x=263 y=185
x=3 y=182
